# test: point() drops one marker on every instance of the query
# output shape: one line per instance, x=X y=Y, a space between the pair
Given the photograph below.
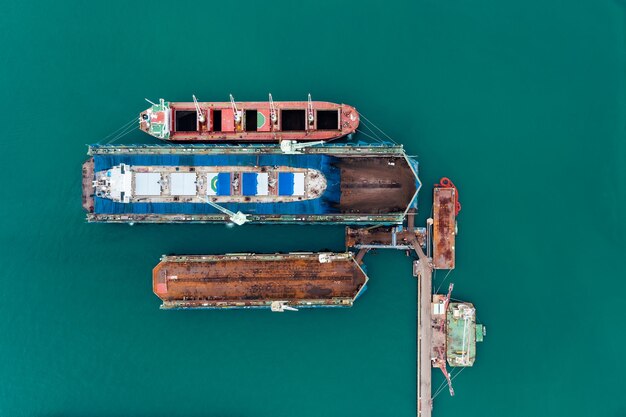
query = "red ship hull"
x=250 y=122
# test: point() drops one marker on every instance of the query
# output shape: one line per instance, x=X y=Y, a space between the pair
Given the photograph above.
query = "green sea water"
x=522 y=104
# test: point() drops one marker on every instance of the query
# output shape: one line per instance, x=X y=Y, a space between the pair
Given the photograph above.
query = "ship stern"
x=155 y=120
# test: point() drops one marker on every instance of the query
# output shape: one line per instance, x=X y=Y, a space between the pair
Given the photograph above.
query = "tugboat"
x=248 y=121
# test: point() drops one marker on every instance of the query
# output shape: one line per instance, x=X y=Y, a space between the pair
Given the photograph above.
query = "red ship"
x=253 y=121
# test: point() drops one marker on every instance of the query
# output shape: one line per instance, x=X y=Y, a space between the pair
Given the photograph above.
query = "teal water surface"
x=522 y=104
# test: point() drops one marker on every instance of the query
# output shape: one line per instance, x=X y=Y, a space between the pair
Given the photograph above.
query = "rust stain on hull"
x=444 y=227
x=88 y=188
x=372 y=189
x=248 y=280
x=384 y=236
x=376 y=185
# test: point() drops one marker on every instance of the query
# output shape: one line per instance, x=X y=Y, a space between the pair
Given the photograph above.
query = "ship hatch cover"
x=147 y=183
x=183 y=183
x=186 y=121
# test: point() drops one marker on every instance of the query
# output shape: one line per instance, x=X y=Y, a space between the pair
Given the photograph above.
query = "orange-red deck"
x=444 y=227
x=248 y=280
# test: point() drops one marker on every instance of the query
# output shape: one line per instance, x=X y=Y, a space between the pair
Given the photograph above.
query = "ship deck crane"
x=273 y=113
x=201 y=118
x=236 y=112
x=310 y=114
x=442 y=364
x=447 y=300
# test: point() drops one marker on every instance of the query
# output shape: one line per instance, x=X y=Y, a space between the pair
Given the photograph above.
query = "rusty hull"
x=383 y=236
x=376 y=185
x=253 y=280
x=88 y=188
x=444 y=227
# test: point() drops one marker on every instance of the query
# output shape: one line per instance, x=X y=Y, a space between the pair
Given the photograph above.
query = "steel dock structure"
x=447 y=331
x=246 y=280
x=354 y=184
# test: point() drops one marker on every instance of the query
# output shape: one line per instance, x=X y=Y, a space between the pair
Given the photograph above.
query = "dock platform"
x=446 y=333
x=385 y=237
x=179 y=184
x=258 y=280
x=423 y=269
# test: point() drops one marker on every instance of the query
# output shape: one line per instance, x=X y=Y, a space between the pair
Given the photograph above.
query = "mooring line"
x=123 y=127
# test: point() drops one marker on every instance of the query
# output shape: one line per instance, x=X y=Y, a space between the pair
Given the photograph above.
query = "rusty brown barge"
x=277 y=281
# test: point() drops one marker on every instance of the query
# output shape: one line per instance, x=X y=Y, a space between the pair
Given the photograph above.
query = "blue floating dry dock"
x=347 y=184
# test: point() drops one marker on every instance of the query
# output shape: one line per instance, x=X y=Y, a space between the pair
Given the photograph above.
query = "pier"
x=423 y=270
x=410 y=239
x=438 y=238
x=446 y=332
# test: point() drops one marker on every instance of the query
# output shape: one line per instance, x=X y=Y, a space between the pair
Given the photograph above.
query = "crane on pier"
x=292 y=147
x=238 y=218
x=446 y=302
x=281 y=306
x=440 y=362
